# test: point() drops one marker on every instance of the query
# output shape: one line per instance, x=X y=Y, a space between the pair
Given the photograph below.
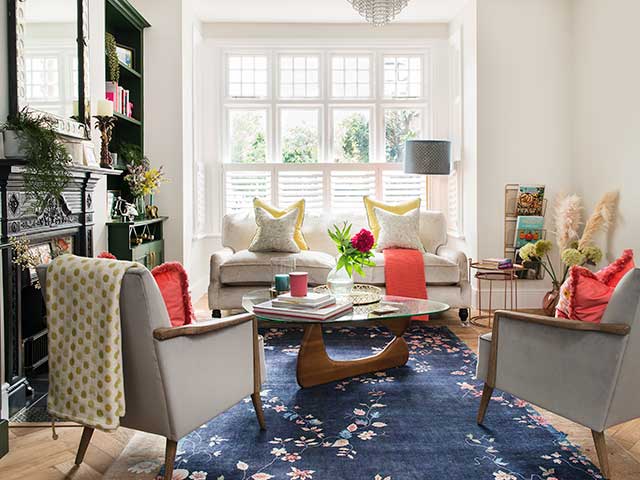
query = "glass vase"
x=340 y=283
x=140 y=207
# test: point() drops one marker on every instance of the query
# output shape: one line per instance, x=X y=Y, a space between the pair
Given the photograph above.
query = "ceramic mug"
x=299 y=283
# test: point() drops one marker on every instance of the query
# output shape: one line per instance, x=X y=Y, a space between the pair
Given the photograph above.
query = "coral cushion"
x=172 y=280
x=585 y=295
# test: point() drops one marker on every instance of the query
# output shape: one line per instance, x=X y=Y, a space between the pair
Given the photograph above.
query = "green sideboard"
x=141 y=241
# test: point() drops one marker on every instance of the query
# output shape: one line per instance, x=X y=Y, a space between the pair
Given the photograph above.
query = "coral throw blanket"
x=85 y=360
x=404 y=275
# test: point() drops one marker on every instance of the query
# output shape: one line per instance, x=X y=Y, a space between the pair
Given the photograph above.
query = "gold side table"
x=490 y=274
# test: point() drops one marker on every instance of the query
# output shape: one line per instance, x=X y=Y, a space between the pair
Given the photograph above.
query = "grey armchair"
x=588 y=373
x=178 y=378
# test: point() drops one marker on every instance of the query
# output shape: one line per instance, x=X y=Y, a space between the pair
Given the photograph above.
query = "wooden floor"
x=34 y=455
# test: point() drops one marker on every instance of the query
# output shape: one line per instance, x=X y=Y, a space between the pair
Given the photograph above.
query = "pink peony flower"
x=363 y=240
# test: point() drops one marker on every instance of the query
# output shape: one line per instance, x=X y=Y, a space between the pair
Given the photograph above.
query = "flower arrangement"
x=576 y=249
x=355 y=251
x=143 y=179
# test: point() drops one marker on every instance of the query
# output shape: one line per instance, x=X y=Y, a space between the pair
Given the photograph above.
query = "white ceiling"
x=317 y=11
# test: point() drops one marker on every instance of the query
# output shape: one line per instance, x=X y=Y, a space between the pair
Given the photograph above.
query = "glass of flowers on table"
x=355 y=254
x=143 y=181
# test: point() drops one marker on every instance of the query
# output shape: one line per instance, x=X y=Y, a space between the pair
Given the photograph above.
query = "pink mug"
x=299 y=283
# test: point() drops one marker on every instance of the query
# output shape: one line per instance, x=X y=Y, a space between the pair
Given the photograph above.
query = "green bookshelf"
x=140 y=240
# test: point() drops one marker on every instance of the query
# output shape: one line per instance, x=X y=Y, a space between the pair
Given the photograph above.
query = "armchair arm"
x=166 y=333
x=217 y=259
x=610 y=328
x=458 y=257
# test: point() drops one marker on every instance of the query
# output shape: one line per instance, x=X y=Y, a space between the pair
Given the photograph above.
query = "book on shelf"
x=324 y=313
x=529 y=229
x=530 y=200
x=498 y=262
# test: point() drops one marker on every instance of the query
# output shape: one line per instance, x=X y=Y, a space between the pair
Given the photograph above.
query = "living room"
x=446 y=184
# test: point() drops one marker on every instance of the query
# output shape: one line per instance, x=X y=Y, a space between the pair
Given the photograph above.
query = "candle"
x=105 y=108
x=282 y=282
x=299 y=284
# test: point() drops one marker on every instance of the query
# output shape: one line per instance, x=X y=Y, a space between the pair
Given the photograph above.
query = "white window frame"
x=279 y=130
x=376 y=103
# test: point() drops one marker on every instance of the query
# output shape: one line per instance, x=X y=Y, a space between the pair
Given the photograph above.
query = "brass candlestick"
x=105 y=124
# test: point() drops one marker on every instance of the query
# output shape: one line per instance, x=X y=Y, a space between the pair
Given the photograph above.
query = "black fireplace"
x=64 y=225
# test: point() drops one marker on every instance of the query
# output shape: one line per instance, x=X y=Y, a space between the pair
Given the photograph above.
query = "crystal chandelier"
x=379 y=12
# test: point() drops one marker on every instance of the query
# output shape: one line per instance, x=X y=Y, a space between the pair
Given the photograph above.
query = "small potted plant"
x=33 y=138
x=355 y=253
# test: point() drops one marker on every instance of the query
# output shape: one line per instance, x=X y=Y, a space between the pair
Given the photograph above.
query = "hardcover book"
x=530 y=200
x=528 y=229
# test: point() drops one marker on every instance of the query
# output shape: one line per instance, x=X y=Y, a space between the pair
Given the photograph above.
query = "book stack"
x=499 y=263
x=120 y=98
x=314 y=306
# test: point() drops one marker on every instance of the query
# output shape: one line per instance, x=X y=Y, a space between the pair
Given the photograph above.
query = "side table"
x=490 y=274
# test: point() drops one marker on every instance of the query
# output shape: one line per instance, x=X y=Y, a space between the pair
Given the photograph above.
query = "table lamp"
x=428 y=157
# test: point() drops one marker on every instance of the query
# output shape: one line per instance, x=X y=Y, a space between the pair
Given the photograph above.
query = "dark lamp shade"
x=428 y=157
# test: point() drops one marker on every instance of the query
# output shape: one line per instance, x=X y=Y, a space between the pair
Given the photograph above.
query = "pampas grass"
x=601 y=219
x=567 y=219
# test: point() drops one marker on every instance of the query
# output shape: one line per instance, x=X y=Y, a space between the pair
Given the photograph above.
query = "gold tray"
x=360 y=295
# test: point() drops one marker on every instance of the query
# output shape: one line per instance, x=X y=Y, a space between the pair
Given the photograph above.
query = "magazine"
x=530 y=200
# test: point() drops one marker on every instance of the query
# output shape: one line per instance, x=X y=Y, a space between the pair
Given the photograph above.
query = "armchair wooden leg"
x=603 y=455
x=257 y=405
x=487 y=391
x=84 y=444
x=170 y=458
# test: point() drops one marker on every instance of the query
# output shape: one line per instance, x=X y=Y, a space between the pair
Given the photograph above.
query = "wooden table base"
x=315 y=367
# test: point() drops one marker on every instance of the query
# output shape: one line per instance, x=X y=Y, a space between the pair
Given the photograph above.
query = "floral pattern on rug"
x=412 y=422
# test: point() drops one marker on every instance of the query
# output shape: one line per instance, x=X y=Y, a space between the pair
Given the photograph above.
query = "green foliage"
x=113 y=65
x=248 y=144
x=354 y=131
x=47 y=171
x=131 y=154
x=398 y=129
x=351 y=259
x=300 y=145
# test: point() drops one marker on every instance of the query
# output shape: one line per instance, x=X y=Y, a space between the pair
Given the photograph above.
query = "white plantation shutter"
x=242 y=187
x=294 y=185
x=399 y=187
x=348 y=188
x=453 y=202
x=200 y=198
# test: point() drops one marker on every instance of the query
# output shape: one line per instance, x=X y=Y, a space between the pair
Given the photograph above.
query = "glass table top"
x=406 y=307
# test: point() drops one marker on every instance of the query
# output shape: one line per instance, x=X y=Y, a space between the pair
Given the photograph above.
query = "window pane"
x=242 y=187
x=299 y=138
x=299 y=76
x=247 y=136
x=350 y=77
x=351 y=136
x=247 y=76
x=402 y=76
x=400 y=125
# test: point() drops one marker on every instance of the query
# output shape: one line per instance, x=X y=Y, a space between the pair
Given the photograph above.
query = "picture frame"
x=112 y=196
x=125 y=55
x=89 y=155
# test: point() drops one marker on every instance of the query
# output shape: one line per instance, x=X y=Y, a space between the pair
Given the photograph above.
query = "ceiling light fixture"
x=379 y=12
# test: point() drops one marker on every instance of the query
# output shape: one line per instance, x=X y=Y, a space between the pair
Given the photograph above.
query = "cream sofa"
x=236 y=271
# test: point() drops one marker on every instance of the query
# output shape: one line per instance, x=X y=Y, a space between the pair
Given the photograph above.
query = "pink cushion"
x=585 y=295
x=172 y=280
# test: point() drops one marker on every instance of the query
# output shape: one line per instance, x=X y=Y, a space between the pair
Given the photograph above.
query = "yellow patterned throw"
x=85 y=356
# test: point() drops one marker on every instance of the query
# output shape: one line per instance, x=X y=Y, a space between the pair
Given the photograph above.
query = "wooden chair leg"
x=84 y=444
x=170 y=458
x=257 y=405
x=603 y=455
x=487 y=391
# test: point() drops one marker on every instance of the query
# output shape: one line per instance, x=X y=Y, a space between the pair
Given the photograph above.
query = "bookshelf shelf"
x=128 y=70
x=132 y=120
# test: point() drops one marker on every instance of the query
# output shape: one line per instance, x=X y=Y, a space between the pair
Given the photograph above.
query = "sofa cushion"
x=254 y=268
x=437 y=270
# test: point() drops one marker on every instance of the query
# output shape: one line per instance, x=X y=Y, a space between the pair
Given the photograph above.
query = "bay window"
x=327 y=125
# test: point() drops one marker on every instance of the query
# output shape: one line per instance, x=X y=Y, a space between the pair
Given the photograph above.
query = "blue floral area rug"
x=414 y=422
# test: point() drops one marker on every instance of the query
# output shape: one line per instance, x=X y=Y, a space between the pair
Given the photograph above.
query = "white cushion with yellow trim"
x=274 y=234
x=279 y=212
x=399 y=209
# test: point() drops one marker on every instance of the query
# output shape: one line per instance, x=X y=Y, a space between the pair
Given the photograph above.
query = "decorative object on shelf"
x=142 y=179
x=105 y=121
x=355 y=253
x=378 y=12
x=89 y=155
x=427 y=157
x=125 y=55
x=151 y=211
x=125 y=209
x=47 y=171
x=530 y=200
x=528 y=229
x=111 y=51
x=361 y=294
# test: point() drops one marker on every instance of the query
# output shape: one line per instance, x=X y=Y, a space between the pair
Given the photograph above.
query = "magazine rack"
x=511 y=190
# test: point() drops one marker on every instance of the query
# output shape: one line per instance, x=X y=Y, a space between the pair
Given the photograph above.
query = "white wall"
x=524 y=112
x=606 y=118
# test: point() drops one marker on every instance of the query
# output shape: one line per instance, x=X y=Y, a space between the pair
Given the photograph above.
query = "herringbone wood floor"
x=35 y=456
